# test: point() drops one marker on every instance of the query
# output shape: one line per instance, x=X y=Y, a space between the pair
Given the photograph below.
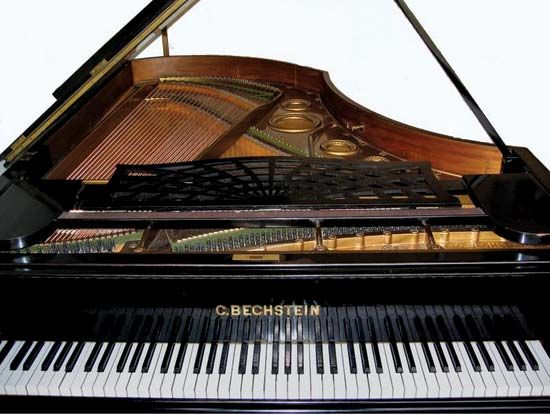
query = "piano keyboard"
x=346 y=353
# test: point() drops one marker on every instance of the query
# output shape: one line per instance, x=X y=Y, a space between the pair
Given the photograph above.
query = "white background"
x=498 y=47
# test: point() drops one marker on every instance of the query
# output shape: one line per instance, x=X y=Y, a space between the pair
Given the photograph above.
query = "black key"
x=450 y=347
x=519 y=335
x=225 y=348
x=244 y=347
x=132 y=337
x=288 y=346
x=437 y=345
x=275 y=355
x=93 y=357
x=481 y=347
x=71 y=363
x=50 y=356
x=422 y=334
x=32 y=357
x=143 y=334
x=178 y=365
x=6 y=349
x=351 y=350
x=202 y=344
x=406 y=345
x=331 y=347
x=153 y=345
x=467 y=343
x=170 y=346
x=362 y=346
x=528 y=355
x=62 y=356
x=213 y=347
x=319 y=348
x=20 y=355
x=393 y=345
x=300 y=346
x=257 y=347
x=489 y=325
x=375 y=350
x=516 y=355
x=106 y=357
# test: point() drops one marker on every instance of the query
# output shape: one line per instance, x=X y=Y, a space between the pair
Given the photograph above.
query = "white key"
x=102 y=377
x=179 y=380
x=112 y=378
x=236 y=379
x=124 y=377
x=22 y=388
x=282 y=378
x=214 y=378
x=430 y=377
x=498 y=375
x=316 y=379
x=408 y=379
x=361 y=378
x=270 y=390
x=293 y=379
x=488 y=379
x=454 y=379
x=340 y=378
x=5 y=372
x=202 y=377
x=398 y=389
x=259 y=379
x=513 y=385
x=34 y=381
x=77 y=374
x=10 y=385
x=304 y=380
x=442 y=379
x=418 y=376
x=132 y=388
x=147 y=378
x=328 y=380
x=191 y=377
x=224 y=384
x=351 y=378
x=521 y=377
x=544 y=364
x=156 y=380
x=477 y=380
x=379 y=383
x=168 y=378
x=534 y=380
x=57 y=379
x=464 y=375
x=247 y=383
x=47 y=376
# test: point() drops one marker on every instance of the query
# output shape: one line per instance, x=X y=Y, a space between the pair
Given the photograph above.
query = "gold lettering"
x=288 y=310
x=221 y=310
x=278 y=310
x=247 y=310
x=299 y=310
x=235 y=310
x=314 y=310
x=268 y=310
x=257 y=310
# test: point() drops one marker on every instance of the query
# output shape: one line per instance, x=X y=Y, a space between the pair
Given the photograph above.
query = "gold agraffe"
x=340 y=148
x=294 y=123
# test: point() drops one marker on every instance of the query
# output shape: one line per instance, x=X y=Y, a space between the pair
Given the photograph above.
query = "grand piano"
x=214 y=233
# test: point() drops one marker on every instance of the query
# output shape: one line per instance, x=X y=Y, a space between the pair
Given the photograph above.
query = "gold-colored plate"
x=377 y=159
x=296 y=104
x=294 y=123
x=341 y=148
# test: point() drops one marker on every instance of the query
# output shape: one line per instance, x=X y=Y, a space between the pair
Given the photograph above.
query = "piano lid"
x=132 y=39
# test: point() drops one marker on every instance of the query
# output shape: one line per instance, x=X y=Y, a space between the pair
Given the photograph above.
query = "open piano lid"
x=131 y=40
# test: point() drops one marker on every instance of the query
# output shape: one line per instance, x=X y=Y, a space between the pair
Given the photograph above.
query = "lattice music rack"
x=268 y=182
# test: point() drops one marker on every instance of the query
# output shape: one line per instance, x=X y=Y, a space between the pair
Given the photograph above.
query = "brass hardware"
x=99 y=67
x=378 y=159
x=341 y=148
x=355 y=127
x=294 y=123
x=296 y=104
x=257 y=257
